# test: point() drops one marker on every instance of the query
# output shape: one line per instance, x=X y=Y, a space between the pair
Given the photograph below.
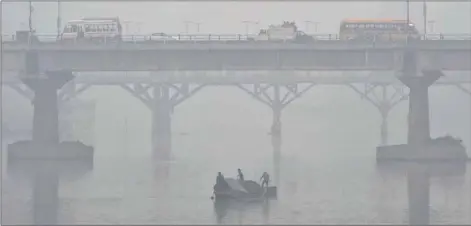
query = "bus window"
x=67 y=29
x=70 y=28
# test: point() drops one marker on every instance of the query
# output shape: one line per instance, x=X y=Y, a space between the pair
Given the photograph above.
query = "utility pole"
x=308 y=22
x=30 y=19
x=187 y=26
x=425 y=16
x=197 y=27
x=431 y=23
x=58 y=19
x=408 y=19
x=247 y=23
x=408 y=10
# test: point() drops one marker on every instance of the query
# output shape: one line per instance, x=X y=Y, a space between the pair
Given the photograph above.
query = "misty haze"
x=125 y=113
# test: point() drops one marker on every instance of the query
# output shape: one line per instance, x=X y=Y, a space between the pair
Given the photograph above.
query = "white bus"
x=93 y=29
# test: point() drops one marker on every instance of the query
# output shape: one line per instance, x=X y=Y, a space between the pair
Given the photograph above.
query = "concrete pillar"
x=419 y=116
x=46 y=113
x=384 y=127
x=384 y=109
x=161 y=121
x=418 y=187
x=418 y=82
x=277 y=109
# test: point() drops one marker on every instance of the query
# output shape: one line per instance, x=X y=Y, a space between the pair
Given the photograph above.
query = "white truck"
x=287 y=31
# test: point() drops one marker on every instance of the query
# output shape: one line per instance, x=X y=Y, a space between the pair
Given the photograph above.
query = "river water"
x=328 y=172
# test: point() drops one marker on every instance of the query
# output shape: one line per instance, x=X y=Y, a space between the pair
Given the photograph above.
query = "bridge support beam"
x=419 y=144
x=46 y=112
x=67 y=92
x=161 y=99
x=162 y=108
x=384 y=102
x=277 y=97
x=419 y=116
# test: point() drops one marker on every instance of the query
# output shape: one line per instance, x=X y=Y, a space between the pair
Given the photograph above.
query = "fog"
x=325 y=172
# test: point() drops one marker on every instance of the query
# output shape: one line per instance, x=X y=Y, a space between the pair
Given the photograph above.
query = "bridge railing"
x=198 y=38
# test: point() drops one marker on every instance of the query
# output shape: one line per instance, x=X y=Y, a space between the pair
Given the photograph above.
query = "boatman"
x=265 y=179
x=240 y=176
x=221 y=183
x=220 y=178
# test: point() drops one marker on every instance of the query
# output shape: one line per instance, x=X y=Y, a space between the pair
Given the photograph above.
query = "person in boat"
x=240 y=175
x=265 y=179
x=221 y=183
x=219 y=178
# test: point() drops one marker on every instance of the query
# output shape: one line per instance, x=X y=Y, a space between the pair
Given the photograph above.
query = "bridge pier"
x=46 y=112
x=162 y=109
x=419 y=115
x=384 y=102
x=45 y=144
x=271 y=95
x=67 y=92
x=419 y=144
x=161 y=99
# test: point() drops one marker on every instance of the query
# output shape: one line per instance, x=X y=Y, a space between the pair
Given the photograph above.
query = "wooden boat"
x=247 y=191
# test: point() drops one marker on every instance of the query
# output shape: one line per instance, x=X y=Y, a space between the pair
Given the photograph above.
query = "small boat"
x=247 y=191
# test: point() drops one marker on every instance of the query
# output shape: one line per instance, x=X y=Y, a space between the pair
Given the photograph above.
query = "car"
x=162 y=37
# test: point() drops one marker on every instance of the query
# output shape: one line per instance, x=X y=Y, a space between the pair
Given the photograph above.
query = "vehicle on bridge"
x=378 y=30
x=93 y=29
x=162 y=37
x=288 y=31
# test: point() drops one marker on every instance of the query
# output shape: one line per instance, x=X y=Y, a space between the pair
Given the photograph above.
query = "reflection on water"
x=319 y=181
x=162 y=197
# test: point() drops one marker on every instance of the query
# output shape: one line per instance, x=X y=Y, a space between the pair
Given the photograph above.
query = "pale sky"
x=220 y=18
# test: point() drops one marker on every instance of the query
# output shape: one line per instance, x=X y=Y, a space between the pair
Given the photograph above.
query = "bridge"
x=163 y=74
x=318 y=55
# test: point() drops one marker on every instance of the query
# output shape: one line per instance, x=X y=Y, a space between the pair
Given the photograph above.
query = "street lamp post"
x=309 y=22
x=126 y=26
x=425 y=16
x=138 y=28
x=431 y=24
x=30 y=19
x=247 y=23
x=408 y=11
x=187 y=26
x=197 y=27
x=58 y=18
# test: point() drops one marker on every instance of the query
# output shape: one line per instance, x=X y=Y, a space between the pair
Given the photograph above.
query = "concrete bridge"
x=320 y=55
x=272 y=72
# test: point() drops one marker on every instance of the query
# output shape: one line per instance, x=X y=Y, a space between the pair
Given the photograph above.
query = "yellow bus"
x=377 y=29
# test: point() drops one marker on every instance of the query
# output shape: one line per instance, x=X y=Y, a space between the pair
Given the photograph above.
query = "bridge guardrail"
x=200 y=38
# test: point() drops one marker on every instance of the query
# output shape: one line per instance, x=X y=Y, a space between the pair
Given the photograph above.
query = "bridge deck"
x=238 y=55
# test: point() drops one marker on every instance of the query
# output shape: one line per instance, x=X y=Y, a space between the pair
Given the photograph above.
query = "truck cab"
x=287 y=31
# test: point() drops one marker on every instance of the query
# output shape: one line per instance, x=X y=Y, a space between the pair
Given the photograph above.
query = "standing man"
x=265 y=179
x=240 y=175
